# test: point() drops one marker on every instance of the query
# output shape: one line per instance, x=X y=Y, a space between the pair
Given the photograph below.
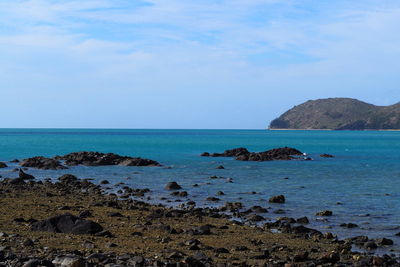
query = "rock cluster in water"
x=283 y=153
x=87 y=159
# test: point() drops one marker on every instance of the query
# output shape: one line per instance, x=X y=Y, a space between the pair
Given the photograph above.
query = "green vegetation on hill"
x=339 y=114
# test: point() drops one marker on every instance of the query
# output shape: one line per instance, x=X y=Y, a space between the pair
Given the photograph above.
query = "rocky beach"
x=68 y=221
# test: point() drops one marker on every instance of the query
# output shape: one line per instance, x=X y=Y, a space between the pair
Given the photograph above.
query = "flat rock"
x=67 y=223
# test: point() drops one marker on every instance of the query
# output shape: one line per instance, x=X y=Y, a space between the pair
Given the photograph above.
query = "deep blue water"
x=364 y=175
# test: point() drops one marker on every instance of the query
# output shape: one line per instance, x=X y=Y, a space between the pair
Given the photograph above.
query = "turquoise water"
x=364 y=176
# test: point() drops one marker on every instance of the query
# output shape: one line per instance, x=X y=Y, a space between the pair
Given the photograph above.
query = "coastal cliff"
x=339 y=114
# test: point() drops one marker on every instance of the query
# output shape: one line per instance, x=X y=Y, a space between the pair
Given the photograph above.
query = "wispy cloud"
x=176 y=55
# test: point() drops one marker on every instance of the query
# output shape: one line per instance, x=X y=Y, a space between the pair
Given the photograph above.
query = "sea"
x=360 y=185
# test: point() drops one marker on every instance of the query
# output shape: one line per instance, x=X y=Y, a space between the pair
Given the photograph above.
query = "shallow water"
x=364 y=175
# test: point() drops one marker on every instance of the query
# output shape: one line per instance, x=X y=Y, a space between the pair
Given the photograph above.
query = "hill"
x=339 y=114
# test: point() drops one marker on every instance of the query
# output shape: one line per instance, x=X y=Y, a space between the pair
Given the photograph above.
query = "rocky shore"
x=85 y=158
x=241 y=153
x=73 y=222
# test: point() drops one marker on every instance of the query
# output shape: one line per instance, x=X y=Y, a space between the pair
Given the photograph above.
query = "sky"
x=199 y=64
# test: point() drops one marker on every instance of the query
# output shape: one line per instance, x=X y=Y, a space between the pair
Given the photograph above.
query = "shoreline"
x=157 y=233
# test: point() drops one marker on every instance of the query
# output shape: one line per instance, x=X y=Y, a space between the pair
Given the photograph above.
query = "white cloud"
x=179 y=50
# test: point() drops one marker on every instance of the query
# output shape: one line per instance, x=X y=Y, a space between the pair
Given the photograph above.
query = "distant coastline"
x=291 y=129
x=339 y=114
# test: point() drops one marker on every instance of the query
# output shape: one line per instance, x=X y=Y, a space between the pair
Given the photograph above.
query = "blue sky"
x=190 y=64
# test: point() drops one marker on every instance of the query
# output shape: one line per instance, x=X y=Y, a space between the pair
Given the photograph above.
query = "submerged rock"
x=324 y=213
x=348 y=225
x=67 y=223
x=326 y=156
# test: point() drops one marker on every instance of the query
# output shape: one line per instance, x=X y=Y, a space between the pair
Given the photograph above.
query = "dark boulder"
x=67 y=223
x=173 y=186
x=277 y=199
x=255 y=218
x=3 y=165
x=324 y=213
x=384 y=242
x=213 y=199
x=303 y=220
x=326 y=156
x=68 y=178
x=205 y=154
x=370 y=245
x=201 y=230
x=42 y=163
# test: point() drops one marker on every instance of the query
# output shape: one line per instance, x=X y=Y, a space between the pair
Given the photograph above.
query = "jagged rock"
x=102 y=159
x=236 y=152
x=139 y=162
x=42 y=163
x=283 y=153
x=25 y=176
